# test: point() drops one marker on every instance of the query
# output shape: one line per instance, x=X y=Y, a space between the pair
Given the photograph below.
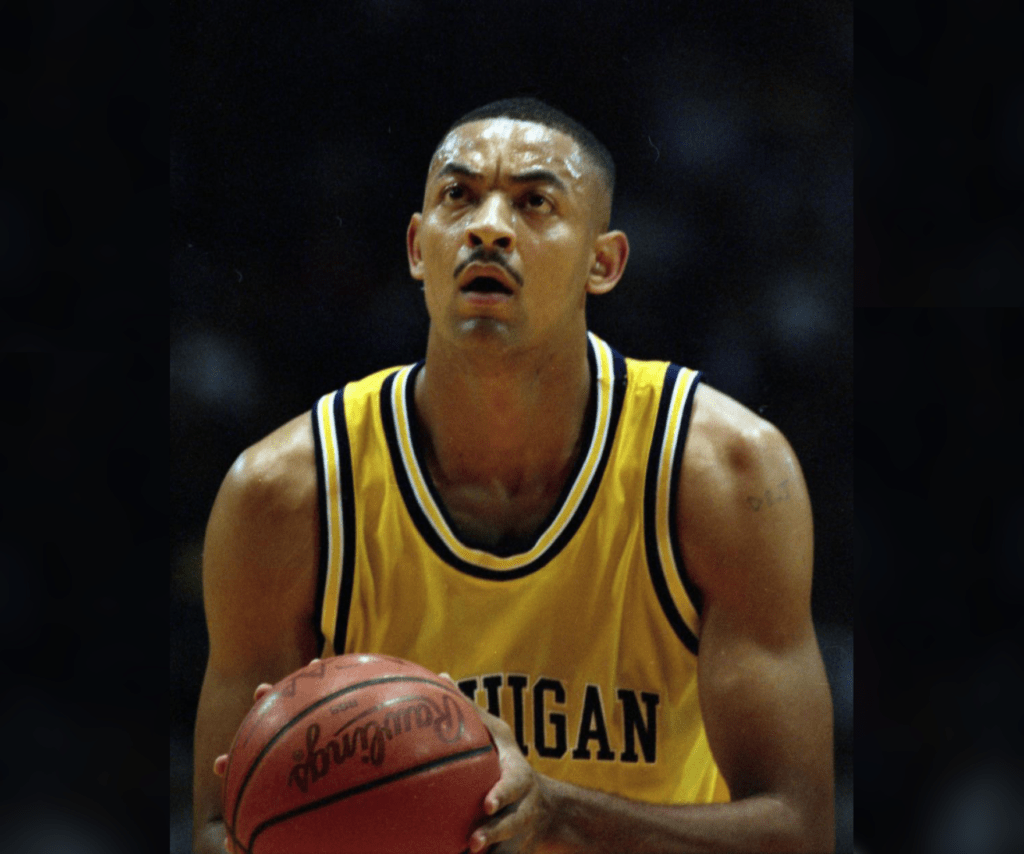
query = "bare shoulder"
x=726 y=439
x=278 y=473
x=260 y=553
x=744 y=509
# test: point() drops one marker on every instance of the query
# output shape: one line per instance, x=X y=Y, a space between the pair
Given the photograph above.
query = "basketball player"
x=610 y=556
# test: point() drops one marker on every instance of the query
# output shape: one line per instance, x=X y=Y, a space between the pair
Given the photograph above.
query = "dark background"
x=939 y=101
x=300 y=138
x=939 y=281
x=940 y=554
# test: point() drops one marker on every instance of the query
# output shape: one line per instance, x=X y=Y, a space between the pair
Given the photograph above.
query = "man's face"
x=506 y=237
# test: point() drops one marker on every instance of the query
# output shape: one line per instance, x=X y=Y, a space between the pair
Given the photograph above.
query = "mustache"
x=484 y=255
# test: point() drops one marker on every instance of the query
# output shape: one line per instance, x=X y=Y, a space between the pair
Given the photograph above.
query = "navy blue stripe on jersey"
x=692 y=590
x=321 y=503
x=426 y=530
x=348 y=523
x=650 y=509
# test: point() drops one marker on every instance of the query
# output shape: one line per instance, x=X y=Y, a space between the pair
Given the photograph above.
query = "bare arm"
x=259 y=572
x=764 y=693
x=745 y=526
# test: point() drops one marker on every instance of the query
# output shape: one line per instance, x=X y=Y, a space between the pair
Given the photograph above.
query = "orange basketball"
x=359 y=754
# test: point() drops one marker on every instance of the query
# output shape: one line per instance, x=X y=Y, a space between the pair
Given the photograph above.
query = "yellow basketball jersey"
x=586 y=643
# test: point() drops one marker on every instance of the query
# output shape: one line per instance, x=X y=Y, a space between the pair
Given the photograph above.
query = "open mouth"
x=486 y=285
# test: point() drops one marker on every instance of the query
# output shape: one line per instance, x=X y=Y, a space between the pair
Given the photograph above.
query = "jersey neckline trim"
x=608 y=376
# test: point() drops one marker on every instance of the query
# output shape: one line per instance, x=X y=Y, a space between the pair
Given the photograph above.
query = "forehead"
x=513 y=145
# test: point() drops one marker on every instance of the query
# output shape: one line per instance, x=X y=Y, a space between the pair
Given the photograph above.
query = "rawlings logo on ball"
x=370 y=738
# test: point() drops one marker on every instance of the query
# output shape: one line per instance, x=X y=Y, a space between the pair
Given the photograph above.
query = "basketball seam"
x=291 y=722
x=366 y=787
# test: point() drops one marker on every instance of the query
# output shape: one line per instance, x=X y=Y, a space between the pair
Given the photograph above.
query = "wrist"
x=555 y=832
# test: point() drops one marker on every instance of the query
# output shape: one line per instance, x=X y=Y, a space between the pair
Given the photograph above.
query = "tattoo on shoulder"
x=775 y=495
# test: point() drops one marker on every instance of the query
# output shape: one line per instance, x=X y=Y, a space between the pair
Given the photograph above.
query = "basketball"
x=359 y=754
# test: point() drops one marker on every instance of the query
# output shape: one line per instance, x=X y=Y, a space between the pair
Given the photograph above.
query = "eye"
x=537 y=202
x=455 y=192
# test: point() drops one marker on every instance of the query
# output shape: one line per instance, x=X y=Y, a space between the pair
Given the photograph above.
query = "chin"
x=485 y=330
x=481 y=335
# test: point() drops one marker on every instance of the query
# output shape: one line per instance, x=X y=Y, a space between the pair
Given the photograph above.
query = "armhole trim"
x=679 y=598
x=337 y=521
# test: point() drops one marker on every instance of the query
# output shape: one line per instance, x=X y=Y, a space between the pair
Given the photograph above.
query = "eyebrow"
x=537 y=176
x=531 y=176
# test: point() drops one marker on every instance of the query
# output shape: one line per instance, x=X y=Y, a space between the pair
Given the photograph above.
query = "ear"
x=412 y=247
x=611 y=250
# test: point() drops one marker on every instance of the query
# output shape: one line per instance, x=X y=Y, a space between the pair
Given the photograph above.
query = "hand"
x=220 y=764
x=517 y=803
x=520 y=809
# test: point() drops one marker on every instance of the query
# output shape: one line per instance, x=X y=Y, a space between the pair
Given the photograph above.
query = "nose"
x=491 y=225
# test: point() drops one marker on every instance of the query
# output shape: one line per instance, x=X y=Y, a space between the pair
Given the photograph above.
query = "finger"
x=501 y=732
x=477 y=841
x=506 y=825
x=220 y=765
x=511 y=787
x=261 y=691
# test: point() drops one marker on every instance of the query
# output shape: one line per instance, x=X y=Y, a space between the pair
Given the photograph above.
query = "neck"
x=510 y=422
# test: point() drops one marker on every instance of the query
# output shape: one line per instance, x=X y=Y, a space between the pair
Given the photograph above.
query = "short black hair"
x=528 y=109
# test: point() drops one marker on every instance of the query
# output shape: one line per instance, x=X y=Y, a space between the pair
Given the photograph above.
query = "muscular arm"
x=745 y=528
x=745 y=524
x=259 y=561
